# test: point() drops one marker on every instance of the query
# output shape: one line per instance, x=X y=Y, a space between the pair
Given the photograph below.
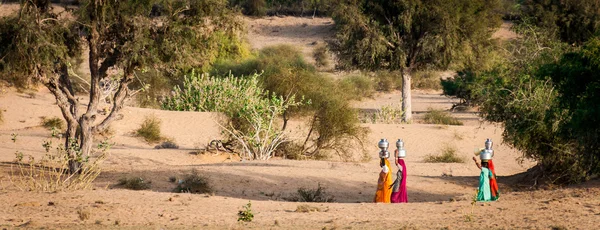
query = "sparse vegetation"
x=84 y=213
x=1 y=116
x=246 y=214
x=447 y=155
x=307 y=208
x=357 y=86
x=150 y=129
x=168 y=144
x=134 y=183
x=312 y=195
x=193 y=183
x=427 y=80
x=53 y=123
x=439 y=117
x=387 y=81
x=385 y=115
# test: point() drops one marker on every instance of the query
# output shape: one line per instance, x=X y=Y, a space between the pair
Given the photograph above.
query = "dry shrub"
x=1 y=116
x=426 y=80
x=193 y=183
x=357 y=87
x=150 y=129
x=307 y=208
x=134 y=183
x=321 y=55
x=448 y=155
x=53 y=123
x=312 y=195
x=440 y=118
x=385 y=115
x=84 y=213
x=388 y=81
x=51 y=173
x=167 y=144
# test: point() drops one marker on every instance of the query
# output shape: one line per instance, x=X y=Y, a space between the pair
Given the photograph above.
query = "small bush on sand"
x=312 y=195
x=448 y=155
x=440 y=118
x=54 y=122
x=84 y=213
x=307 y=208
x=150 y=130
x=134 y=183
x=167 y=144
x=246 y=214
x=321 y=55
x=194 y=183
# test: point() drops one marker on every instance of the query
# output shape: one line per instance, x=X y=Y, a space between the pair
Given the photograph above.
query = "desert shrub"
x=307 y=208
x=426 y=80
x=152 y=87
x=134 y=183
x=321 y=55
x=1 y=116
x=193 y=183
x=439 y=117
x=84 y=213
x=385 y=115
x=150 y=129
x=312 y=195
x=357 y=87
x=387 y=81
x=447 y=155
x=54 y=122
x=252 y=110
x=168 y=144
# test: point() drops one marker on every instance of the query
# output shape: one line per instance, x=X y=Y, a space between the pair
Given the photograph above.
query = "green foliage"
x=286 y=73
x=413 y=34
x=193 y=183
x=426 y=80
x=134 y=183
x=312 y=195
x=150 y=129
x=53 y=123
x=357 y=87
x=385 y=115
x=321 y=55
x=440 y=117
x=447 y=155
x=251 y=109
x=246 y=214
x=285 y=7
x=574 y=21
x=255 y=7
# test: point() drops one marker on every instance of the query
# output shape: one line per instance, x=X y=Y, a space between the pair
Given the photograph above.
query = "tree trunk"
x=406 y=97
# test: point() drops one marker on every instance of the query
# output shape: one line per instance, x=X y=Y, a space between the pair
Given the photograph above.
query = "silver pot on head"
x=400 y=148
x=488 y=152
x=383 y=146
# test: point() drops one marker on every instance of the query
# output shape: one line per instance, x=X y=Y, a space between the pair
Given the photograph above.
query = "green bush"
x=152 y=86
x=246 y=215
x=193 y=183
x=53 y=123
x=134 y=183
x=448 y=155
x=357 y=87
x=321 y=55
x=440 y=117
x=150 y=129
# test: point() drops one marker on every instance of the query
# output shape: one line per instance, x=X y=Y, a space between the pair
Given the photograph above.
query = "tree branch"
x=118 y=101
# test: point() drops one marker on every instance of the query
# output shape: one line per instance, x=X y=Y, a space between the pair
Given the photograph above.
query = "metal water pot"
x=400 y=147
x=487 y=153
x=383 y=145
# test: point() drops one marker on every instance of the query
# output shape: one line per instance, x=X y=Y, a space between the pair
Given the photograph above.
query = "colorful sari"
x=493 y=182
x=484 y=192
x=399 y=194
x=384 y=192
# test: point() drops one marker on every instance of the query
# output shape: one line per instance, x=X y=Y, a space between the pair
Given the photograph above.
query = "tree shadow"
x=252 y=185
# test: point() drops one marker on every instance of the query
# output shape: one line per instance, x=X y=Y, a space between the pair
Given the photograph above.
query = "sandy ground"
x=439 y=193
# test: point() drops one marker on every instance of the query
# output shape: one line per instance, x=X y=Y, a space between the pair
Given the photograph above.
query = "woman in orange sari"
x=384 y=184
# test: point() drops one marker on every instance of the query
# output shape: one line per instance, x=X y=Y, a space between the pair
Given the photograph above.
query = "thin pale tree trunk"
x=406 y=96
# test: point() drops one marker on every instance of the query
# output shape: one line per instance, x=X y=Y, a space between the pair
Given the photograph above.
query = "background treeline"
x=284 y=7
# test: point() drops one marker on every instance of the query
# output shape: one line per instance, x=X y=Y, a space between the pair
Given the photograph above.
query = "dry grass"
x=150 y=130
x=194 y=183
x=321 y=55
x=54 y=122
x=447 y=155
x=134 y=183
x=307 y=208
x=440 y=118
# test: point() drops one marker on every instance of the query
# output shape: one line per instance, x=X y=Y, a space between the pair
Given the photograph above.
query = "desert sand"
x=439 y=193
